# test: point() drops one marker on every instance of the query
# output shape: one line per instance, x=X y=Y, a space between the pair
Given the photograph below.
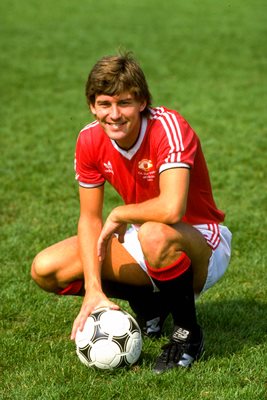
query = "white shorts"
x=218 y=262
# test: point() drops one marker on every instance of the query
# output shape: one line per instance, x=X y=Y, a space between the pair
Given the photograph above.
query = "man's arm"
x=169 y=207
x=89 y=228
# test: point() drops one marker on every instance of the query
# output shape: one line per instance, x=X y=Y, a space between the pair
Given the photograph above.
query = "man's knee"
x=39 y=267
x=41 y=272
x=159 y=242
x=151 y=236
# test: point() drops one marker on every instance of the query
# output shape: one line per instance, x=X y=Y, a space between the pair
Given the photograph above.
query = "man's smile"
x=116 y=125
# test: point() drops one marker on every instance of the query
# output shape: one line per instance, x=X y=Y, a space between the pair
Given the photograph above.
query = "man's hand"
x=110 y=227
x=91 y=302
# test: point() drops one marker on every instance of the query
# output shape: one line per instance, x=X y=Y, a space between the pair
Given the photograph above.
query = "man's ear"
x=92 y=108
x=143 y=106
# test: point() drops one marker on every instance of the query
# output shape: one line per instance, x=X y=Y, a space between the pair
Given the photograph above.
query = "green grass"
x=208 y=59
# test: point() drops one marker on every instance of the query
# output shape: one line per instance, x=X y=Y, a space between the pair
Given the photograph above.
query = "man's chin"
x=115 y=135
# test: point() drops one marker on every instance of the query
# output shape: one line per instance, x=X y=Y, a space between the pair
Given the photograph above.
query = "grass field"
x=207 y=59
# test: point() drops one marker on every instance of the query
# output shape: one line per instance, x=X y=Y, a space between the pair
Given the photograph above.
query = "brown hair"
x=113 y=75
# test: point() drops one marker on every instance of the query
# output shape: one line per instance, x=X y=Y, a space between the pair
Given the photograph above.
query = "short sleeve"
x=85 y=164
x=178 y=144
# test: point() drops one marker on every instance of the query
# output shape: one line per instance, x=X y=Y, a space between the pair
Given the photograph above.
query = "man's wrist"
x=93 y=287
x=115 y=214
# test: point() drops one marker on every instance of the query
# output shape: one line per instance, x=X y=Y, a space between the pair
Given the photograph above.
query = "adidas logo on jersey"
x=108 y=167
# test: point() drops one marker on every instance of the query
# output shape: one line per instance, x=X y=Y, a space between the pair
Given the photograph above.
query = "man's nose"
x=115 y=112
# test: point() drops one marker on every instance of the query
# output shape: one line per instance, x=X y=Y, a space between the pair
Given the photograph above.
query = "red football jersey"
x=166 y=141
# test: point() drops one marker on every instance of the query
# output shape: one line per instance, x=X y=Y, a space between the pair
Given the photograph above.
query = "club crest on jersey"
x=145 y=165
x=108 y=167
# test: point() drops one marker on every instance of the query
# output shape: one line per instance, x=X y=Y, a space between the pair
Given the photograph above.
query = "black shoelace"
x=172 y=351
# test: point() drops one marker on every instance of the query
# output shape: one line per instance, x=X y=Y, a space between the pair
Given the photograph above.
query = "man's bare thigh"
x=62 y=260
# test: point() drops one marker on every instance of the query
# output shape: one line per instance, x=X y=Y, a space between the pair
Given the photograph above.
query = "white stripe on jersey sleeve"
x=90 y=185
x=168 y=133
x=178 y=130
x=173 y=132
x=171 y=165
x=91 y=125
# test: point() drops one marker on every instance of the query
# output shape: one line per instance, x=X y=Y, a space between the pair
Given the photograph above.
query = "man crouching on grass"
x=176 y=246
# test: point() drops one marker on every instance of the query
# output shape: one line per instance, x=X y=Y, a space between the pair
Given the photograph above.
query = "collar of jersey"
x=132 y=151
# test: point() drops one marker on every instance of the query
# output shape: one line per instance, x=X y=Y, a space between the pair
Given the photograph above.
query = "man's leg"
x=145 y=303
x=58 y=265
x=58 y=269
x=172 y=257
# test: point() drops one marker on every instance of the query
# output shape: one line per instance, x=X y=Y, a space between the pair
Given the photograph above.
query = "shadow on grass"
x=230 y=325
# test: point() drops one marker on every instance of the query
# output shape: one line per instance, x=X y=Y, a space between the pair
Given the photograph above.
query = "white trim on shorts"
x=219 y=260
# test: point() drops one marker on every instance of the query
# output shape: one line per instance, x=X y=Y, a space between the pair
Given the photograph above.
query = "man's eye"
x=103 y=105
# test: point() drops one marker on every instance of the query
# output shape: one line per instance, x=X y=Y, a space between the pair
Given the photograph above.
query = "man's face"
x=119 y=116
